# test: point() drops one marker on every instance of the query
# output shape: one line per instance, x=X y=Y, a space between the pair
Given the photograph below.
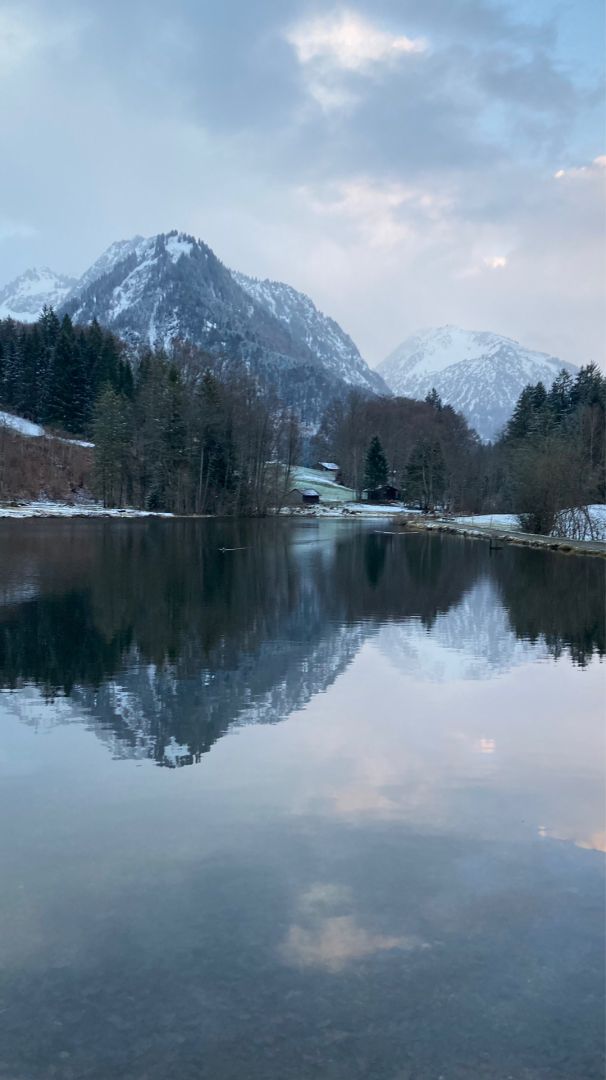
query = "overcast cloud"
x=406 y=162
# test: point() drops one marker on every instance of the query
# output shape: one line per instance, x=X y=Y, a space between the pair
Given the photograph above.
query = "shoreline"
x=68 y=511
x=400 y=518
x=561 y=544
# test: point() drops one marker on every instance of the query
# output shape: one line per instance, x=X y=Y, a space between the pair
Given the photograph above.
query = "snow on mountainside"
x=479 y=373
x=24 y=298
x=151 y=291
x=172 y=286
x=110 y=258
x=317 y=331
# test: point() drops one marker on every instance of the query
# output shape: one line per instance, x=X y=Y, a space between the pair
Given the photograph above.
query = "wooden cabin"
x=331 y=468
x=303 y=497
x=385 y=494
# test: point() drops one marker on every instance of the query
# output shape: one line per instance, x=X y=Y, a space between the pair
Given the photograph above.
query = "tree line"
x=52 y=372
x=190 y=433
x=552 y=454
x=425 y=450
x=180 y=433
x=191 y=439
x=547 y=466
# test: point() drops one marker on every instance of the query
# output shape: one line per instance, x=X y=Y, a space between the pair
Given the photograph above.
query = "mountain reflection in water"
x=163 y=635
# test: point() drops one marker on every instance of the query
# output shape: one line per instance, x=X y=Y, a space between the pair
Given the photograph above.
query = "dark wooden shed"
x=387 y=493
x=304 y=496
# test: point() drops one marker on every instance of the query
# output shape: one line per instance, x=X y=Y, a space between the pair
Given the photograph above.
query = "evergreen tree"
x=589 y=387
x=49 y=328
x=520 y=422
x=29 y=388
x=434 y=399
x=112 y=438
x=11 y=378
x=67 y=398
x=559 y=398
x=375 y=466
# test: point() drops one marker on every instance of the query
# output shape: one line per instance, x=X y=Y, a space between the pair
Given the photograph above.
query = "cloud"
x=10 y=230
x=592 y=171
x=17 y=41
x=350 y=42
x=334 y=47
x=325 y=146
x=495 y=262
x=27 y=35
x=330 y=941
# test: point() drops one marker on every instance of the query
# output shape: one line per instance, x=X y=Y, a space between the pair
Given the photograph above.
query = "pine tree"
x=49 y=328
x=434 y=399
x=589 y=387
x=28 y=398
x=521 y=421
x=375 y=466
x=559 y=398
x=11 y=378
x=67 y=399
x=112 y=437
x=175 y=436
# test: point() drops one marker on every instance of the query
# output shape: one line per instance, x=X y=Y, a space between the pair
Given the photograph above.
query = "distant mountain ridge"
x=318 y=332
x=479 y=373
x=151 y=291
x=24 y=298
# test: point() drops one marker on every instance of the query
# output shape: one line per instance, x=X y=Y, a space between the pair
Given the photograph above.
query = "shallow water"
x=328 y=803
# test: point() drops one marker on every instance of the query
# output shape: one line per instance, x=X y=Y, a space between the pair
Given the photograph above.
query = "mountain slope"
x=479 y=373
x=311 y=328
x=151 y=291
x=24 y=298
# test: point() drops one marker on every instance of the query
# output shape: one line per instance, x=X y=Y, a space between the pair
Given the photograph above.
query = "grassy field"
x=328 y=491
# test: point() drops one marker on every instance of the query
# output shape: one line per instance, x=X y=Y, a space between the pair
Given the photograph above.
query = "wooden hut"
x=303 y=497
x=331 y=468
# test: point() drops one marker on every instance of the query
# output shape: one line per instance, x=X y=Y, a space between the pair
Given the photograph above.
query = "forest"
x=190 y=433
x=549 y=461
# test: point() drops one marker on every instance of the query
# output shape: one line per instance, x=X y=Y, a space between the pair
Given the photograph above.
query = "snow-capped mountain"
x=479 y=373
x=172 y=286
x=115 y=253
x=315 y=330
x=24 y=298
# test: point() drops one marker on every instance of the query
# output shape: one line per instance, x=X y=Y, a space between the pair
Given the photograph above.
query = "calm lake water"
x=327 y=804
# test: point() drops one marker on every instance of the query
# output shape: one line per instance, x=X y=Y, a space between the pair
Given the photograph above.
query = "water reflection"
x=402 y=878
x=163 y=635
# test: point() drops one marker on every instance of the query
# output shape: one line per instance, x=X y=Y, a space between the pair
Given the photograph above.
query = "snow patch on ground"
x=500 y=521
x=572 y=524
x=24 y=427
x=351 y=509
x=36 y=431
x=74 y=442
x=45 y=509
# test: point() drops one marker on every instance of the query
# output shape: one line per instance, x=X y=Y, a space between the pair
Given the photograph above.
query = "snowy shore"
x=43 y=509
x=495 y=527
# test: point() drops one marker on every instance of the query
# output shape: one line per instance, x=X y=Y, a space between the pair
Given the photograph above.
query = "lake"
x=298 y=800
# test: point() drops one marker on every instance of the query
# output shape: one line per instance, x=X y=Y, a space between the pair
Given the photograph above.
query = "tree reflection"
x=166 y=633
x=557 y=598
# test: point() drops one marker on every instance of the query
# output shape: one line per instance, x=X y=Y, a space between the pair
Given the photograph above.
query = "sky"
x=407 y=163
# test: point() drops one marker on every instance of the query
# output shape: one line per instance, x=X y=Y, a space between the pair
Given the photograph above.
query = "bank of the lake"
x=497 y=535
